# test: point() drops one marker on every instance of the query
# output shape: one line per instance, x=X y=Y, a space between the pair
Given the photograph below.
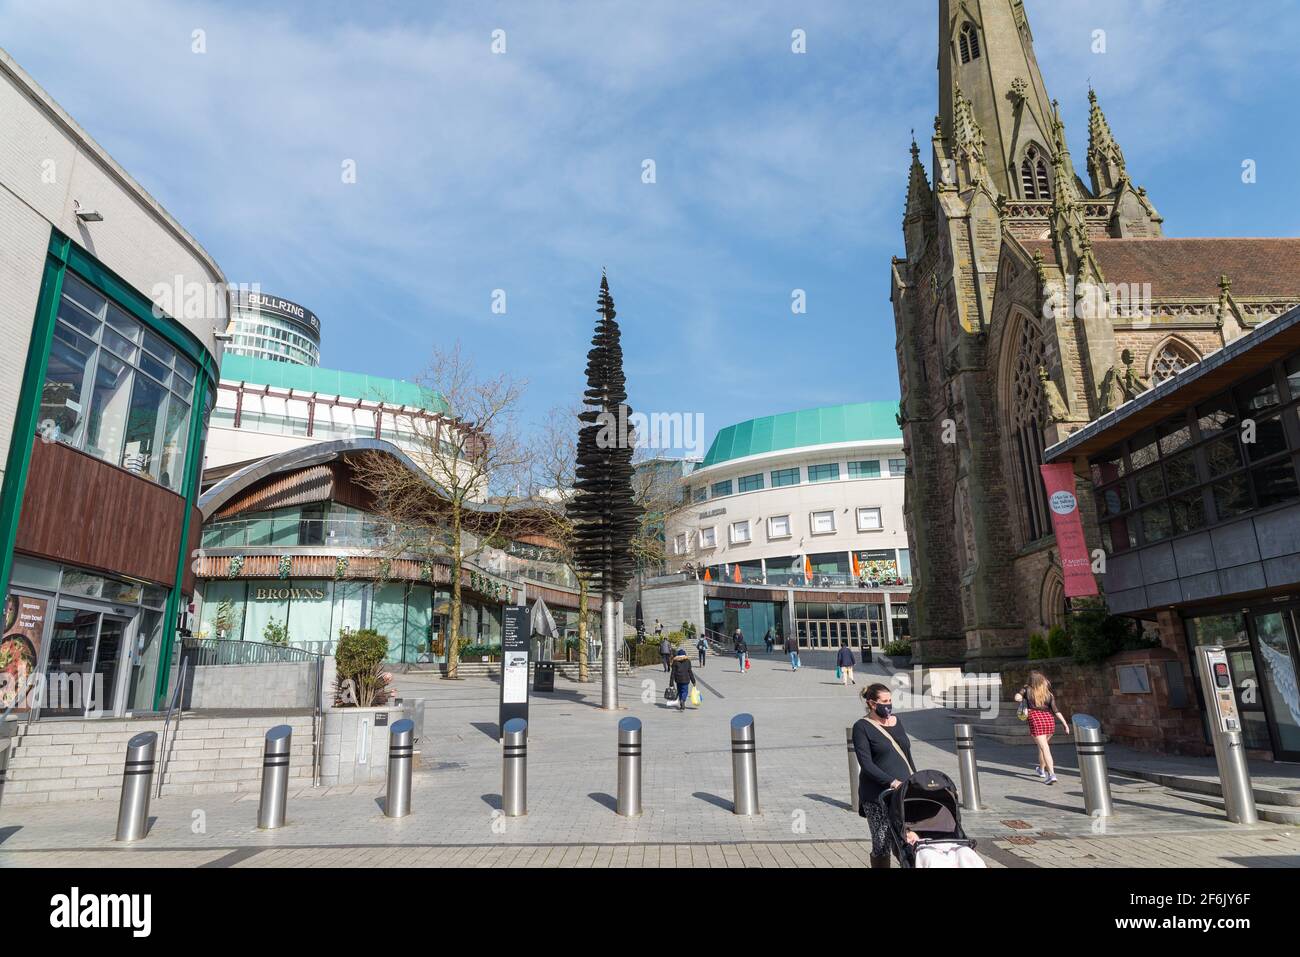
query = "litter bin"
x=544 y=676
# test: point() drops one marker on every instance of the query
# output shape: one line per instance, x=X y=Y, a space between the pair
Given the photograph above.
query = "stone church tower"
x=1029 y=303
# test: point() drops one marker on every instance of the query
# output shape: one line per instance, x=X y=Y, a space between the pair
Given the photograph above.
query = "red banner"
x=1076 y=564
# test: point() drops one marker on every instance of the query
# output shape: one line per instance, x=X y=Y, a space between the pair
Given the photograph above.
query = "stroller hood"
x=926 y=803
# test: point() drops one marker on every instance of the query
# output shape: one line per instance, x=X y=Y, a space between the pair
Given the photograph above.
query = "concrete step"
x=1208 y=786
x=77 y=760
x=1273 y=813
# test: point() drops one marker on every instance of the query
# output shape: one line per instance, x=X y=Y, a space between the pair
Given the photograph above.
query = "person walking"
x=792 y=649
x=666 y=653
x=1037 y=698
x=702 y=645
x=845 y=661
x=885 y=761
x=683 y=676
x=769 y=640
x=742 y=650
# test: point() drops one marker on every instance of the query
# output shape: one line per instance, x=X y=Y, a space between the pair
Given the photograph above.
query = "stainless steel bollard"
x=401 y=755
x=744 y=765
x=855 y=770
x=137 y=782
x=514 y=768
x=275 y=777
x=629 y=767
x=1093 y=773
x=964 y=737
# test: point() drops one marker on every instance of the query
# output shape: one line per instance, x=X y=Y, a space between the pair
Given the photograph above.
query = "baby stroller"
x=927 y=804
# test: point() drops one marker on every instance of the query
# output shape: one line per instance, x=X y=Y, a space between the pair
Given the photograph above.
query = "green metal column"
x=29 y=404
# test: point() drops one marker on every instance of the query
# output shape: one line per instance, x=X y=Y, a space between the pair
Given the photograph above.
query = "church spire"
x=986 y=52
x=1105 y=158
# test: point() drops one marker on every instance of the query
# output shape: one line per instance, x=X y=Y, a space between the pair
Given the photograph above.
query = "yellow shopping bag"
x=695 y=695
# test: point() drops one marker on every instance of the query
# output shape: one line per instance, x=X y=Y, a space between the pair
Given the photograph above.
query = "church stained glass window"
x=1172 y=359
x=1027 y=413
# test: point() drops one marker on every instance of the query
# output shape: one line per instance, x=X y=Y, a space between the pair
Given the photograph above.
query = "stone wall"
x=246 y=687
x=1148 y=721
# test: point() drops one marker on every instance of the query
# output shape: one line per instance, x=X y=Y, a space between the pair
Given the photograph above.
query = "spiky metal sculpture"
x=603 y=508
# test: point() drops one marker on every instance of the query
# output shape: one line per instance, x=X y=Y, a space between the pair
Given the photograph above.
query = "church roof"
x=1192 y=267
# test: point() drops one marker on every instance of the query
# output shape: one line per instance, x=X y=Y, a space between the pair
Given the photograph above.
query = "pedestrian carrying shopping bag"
x=670 y=692
x=1023 y=711
x=695 y=696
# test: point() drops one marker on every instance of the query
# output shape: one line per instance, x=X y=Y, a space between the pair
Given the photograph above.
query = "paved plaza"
x=687 y=821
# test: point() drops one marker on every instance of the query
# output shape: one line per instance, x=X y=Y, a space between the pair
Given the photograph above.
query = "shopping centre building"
x=297 y=541
x=108 y=384
x=794 y=523
x=265 y=407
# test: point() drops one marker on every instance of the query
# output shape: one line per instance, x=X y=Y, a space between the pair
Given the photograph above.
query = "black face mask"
x=883 y=710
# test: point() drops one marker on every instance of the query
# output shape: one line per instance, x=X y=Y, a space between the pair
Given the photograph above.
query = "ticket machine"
x=1225 y=732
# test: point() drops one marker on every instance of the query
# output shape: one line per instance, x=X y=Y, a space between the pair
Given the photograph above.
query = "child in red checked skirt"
x=1037 y=696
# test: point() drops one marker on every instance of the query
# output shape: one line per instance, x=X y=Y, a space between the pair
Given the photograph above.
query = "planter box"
x=355 y=744
x=900 y=661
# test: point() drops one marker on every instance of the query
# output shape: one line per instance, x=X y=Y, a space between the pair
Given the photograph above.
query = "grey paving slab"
x=687 y=820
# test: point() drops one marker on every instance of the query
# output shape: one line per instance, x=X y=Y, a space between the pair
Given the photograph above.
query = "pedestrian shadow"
x=8 y=832
x=487 y=727
x=493 y=801
x=715 y=800
x=604 y=800
x=833 y=802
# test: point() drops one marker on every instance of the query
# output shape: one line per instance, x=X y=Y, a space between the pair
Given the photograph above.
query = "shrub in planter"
x=1038 y=646
x=1096 y=634
x=361 y=681
x=276 y=633
x=899 y=648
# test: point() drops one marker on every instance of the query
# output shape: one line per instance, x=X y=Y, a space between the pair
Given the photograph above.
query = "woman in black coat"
x=885 y=759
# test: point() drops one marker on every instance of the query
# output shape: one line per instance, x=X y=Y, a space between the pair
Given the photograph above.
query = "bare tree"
x=555 y=462
x=473 y=467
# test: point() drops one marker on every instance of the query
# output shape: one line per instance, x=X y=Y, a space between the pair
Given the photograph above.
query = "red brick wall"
x=1144 y=721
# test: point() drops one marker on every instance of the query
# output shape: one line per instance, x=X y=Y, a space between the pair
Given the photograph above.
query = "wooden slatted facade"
x=83 y=511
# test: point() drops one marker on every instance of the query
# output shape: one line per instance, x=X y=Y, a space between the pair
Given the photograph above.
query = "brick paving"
x=687 y=820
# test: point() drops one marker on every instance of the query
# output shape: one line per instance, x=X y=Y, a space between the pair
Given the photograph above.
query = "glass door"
x=1275 y=636
x=108 y=656
x=70 y=662
x=83 y=668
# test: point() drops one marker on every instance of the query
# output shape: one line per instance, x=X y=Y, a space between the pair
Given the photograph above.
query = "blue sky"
x=523 y=171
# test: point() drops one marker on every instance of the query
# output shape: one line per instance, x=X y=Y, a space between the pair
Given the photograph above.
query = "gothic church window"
x=1034 y=182
x=1172 y=359
x=968 y=43
x=1027 y=414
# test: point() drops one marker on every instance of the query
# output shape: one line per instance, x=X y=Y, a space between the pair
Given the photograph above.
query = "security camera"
x=87 y=215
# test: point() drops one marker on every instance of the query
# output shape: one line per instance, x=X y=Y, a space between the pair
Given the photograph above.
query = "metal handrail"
x=173 y=704
x=228 y=651
x=317 y=722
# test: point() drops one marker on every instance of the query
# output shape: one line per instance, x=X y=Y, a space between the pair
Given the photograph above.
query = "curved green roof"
x=353 y=385
x=856 y=422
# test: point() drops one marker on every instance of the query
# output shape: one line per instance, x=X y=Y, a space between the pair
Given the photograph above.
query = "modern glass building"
x=107 y=383
x=269 y=327
x=297 y=541
x=1195 y=489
